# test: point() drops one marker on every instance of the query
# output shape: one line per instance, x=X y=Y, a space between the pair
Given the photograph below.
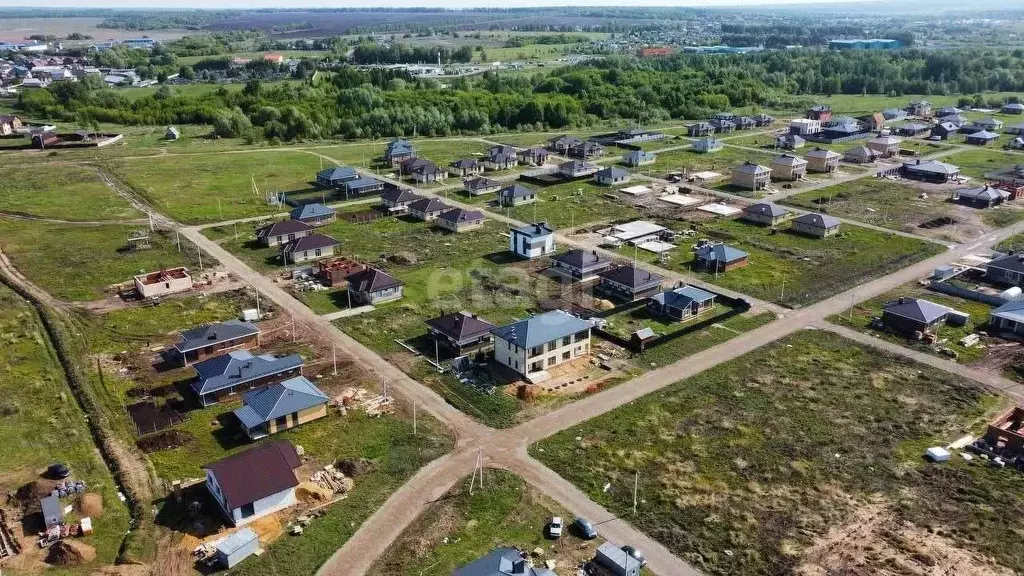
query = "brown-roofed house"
x=629 y=283
x=461 y=333
x=254 y=483
x=373 y=286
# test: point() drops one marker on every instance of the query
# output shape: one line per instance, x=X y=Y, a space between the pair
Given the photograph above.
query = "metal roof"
x=577 y=258
x=314 y=210
x=917 y=309
x=460 y=325
x=266 y=404
x=818 y=221
x=984 y=135
x=933 y=166
x=275 y=461
x=202 y=336
x=634 y=278
x=362 y=182
x=682 y=297
x=283 y=227
x=612 y=172
x=720 y=253
x=535 y=230
x=821 y=153
x=372 y=280
x=239 y=367
x=986 y=193
x=428 y=205
x=480 y=183
x=516 y=191
x=501 y=562
x=788 y=160
x=1012 y=310
x=400 y=195
x=751 y=168
x=337 y=173
x=541 y=329
x=766 y=209
x=1011 y=262
x=311 y=242
x=459 y=215
x=236 y=541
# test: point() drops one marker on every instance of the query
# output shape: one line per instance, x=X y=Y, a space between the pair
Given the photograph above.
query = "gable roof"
x=362 y=182
x=460 y=325
x=823 y=221
x=459 y=215
x=984 y=193
x=501 y=562
x=464 y=164
x=766 y=209
x=239 y=367
x=916 y=309
x=792 y=138
x=311 y=242
x=399 y=146
x=933 y=166
x=266 y=404
x=397 y=195
x=372 y=280
x=541 y=329
x=428 y=206
x=276 y=462
x=283 y=227
x=1012 y=310
x=535 y=151
x=819 y=152
x=720 y=253
x=682 y=297
x=314 y=210
x=632 y=277
x=1011 y=262
x=501 y=151
x=207 y=334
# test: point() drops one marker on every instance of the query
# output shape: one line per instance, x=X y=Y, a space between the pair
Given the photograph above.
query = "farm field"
x=42 y=424
x=795 y=270
x=66 y=193
x=459 y=528
x=899 y=205
x=796 y=421
x=78 y=262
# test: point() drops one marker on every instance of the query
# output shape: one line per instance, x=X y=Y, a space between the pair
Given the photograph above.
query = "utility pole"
x=783 y=295
x=477 y=469
x=334 y=354
x=636 y=486
x=199 y=251
x=414 y=418
x=293 y=327
x=258 y=315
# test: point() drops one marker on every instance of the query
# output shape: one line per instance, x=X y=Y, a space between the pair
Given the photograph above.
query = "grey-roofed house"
x=766 y=213
x=1009 y=317
x=947 y=111
x=912 y=315
x=1015 y=128
x=699 y=129
x=461 y=333
x=681 y=303
x=427 y=209
x=611 y=176
x=586 y=149
x=617 y=561
x=718 y=257
x=822 y=160
x=535 y=156
x=943 y=130
x=763 y=120
x=636 y=158
x=372 y=286
x=428 y=172
x=280 y=406
x=202 y=342
x=885 y=146
x=500 y=157
x=577 y=168
x=501 y=562
x=308 y=248
x=722 y=126
x=745 y=123
x=580 y=265
x=561 y=144
x=894 y=114
x=515 y=195
x=460 y=220
x=788 y=167
x=172 y=133
x=990 y=124
x=361 y=186
x=282 y=232
x=860 y=155
x=790 y=141
x=930 y=171
x=1007 y=270
x=981 y=197
x=398 y=151
x=1013 y=108
x=919 y=108
x=751 y=176
x=815 y=225
x=246 y=495
x=335 y=176
x=912 y=129
x=628 y=283
x=480 y=185
x=397 y=200
x=239 y=371
x=957 y=119
x=466 y=167
x=982 y=138
x=532 y=346
x=706 y=145
x=532 y=240
x=314 y=214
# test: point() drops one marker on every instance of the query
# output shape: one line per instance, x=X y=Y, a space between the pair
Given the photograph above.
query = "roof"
x=859 y=151
x=362 y=182
x=337 y=173
x=238 y=367
x=947 y=110
x=720 y=253
x=986 y=193
x=541 y=329
x=682 y=297
x=516 y=191
x=612 y=172
x=428 y=205
x=283 y=227
x=266 y=404
x=821 y=153
x=766 y=209
x=51 y=506
x=480 y=183
x=236 y=541
x=916 y=309
x=1014 y=106
x=886 y=140
x=314 y=210
x=535 y=230
x=632 y=277
x=575 y=165
x=240 y=486
x=399 y=146
x=984 y=135
x=460 y=325
x=464 y=164
x=1012 y=262
x=933 y=166
x=501 y=562
x=577 y=258
x=311 y=242
x=793 y=138
x=459 y=215
x=501 y=150
x=788 y=160
x=640 y=154
x=564 y=139
x=823 y=221
x=1012 y=310
x=207 y=334
x=372 y=280
x=617 y=556
x=535 y=151
x=751 y=168
x=397 y=195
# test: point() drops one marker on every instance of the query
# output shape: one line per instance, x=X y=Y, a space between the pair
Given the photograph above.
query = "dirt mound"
x=70 y=553
x=27 y=497
x=404 y=258
x=353 y=467
x=90 y=504
x=166 y=440
x=309 y=493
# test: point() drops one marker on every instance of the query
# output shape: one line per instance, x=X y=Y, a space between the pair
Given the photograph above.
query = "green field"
x=64 y=193
x=42 y=423
x=573 y=205
x=975 y=163
x=79 y=262
x=722 y=161
x=745 y=466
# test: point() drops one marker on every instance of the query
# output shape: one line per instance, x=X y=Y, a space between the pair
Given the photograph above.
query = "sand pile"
x=70 y=553
x=310 y=493
x=90 y=504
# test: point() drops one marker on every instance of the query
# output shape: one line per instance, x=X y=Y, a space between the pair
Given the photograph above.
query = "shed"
x=53 y=511
x=237 y=547
x=617 y=560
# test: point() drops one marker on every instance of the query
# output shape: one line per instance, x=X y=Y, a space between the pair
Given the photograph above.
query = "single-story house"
x=501 y=562
x=628 y=283
x=461 y=333
x=788 y=167
x=885 y=146
x=460 y=220
x=373 y=286
x=681 y=303
x=480 y=185
x=246 y=496
x=1009 y=317
x=500 y=157
x=894 y=114
x=822 y=160
x=515 y=195
x=860 y=155
x=336 y=176
x=990 y=124
x=361 y=186
x=562 y=144
x=718 y=257
x=910 y=315
x=790 y=141
x=314 y=214
x=202 y=342
x=406 y=167
x=751 y=176
x=636 y=158
x=427 y=209
x=982 y=138
x=981 y=197
x=913 y=129
x=948 y=111
x=533 y=156
x=466 y=167
x=1007 y=269
x=611 y=176
x=280 y=406
x=580 y=265
x=707 y=144
x=1015 y=129
x=816 y=225
x=1013 y=108
x=744 y=123
x=958 y=119
x=398 y=151
x=238 y=371
x=699 y=129
x=283 y=232
x=533 y=345
x=532 y=240
x=767 y=213
x=311 y=247
x=943 y=130
x=163 y=283
x=397 y=200
x=930 y=171
x=577 y=168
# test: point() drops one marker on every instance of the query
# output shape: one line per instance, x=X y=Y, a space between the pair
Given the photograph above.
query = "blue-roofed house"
x=719 y=258
x=611 y=176
x=516 y=194
x=336 y=176
x=398 y=151
x=198 y=344
x=706 y=144
x=281 y=406
x=1009 y=317
x=314 y=214
x=532 y=346
x=636 y=158
x=239 y=371
x=681 y=303
x=501 y=562
x=361 y=186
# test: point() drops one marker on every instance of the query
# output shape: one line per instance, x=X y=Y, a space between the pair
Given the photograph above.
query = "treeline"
x=545 y=39
x=373 y=53
x=782 y=35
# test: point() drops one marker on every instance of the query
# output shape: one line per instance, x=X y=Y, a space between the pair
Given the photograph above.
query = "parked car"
x=555 y=527
x=585 y=528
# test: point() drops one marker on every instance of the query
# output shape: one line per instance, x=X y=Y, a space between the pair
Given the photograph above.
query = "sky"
x=386 y=3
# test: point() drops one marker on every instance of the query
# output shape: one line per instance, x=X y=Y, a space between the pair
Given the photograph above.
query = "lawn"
x=745 y=466
x=1014 y=243
x=64 y=193
x=459 y=528
x=575 y=204
x=796 y=270
x=976 y=163
x=42 y=423
x=81 y=262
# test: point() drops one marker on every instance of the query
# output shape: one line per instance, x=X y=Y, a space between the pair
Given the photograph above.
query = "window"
x=248 y=510
x=581 y=336
x=551 y=361
x=565 y=355
x=317 y=253
x=552 y=345
x=281 y=421
x=536 y=351
x=290 y=237
x=566 y=341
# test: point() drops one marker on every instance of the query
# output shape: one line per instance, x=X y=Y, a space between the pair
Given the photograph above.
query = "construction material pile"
x=361 y=399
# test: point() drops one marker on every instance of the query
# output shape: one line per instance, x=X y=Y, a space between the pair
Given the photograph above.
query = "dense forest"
x=356 y=103
x=373 y=53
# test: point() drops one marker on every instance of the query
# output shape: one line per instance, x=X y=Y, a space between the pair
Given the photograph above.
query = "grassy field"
x=796 y=270
x=574 y=204
x=460 y=528
x=722 y=161
x=1014 y=243
x=80 y=262
x=65 y=193
x=440 y=151
x=42 y=423
x=745 y=466
x=975 y=163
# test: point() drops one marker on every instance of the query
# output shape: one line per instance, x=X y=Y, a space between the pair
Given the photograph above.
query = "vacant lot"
x=79 y=262
x=745 y=467
x=721 y=161
x=460 y=528
x=976 y=163
x=574 y=204
x=796 y=270
x=65 y=193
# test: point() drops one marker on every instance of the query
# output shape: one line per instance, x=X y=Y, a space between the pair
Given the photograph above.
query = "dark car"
x=585 y=528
